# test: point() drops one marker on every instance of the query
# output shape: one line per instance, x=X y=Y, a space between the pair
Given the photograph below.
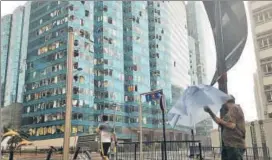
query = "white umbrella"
x=190 y=105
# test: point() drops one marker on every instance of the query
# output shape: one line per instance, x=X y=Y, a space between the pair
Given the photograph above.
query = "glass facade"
x=136 y=57
x=120 y=51
x=109 y=64
x=23 y=55
x=5 y=36
x=178 y=48
x=158 y=52
x=200 y=30
x=13 y=67
x=45 y=96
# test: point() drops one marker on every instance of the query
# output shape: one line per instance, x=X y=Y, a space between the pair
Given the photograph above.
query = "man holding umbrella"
x=233 y=134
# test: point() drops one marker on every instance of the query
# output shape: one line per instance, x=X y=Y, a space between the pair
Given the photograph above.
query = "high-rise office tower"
x=5 y=37
x=121 y=49
x=261 y=22
x=178 y=48
x=45 y=82
x=13 y=49
x=136 y=57
x=201 y=44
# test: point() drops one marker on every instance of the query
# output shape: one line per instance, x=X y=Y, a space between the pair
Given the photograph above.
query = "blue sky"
x=240 y=77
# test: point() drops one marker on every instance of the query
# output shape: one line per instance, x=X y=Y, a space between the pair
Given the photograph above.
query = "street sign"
x=153 y=96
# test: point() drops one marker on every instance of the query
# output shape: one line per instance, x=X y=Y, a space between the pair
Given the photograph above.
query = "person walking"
x=106 y=136
x=233 y=133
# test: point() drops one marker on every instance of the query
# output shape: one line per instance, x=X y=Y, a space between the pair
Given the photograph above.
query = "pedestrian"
x=106 y=136
x=233 y=132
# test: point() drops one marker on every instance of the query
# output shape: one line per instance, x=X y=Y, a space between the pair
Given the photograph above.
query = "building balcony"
x=264 y=27
x=267 y=80
x=260 y=4
x=265 y=53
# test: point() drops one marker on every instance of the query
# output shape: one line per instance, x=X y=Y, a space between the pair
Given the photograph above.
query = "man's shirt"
x=234 y=137
x=106 y=132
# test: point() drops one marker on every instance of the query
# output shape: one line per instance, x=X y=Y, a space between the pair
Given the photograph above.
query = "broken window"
x=87 y=46
x=71 y=7
x=76 y=53
x=76 y=42
x=75 y=90
x=81 y=32
x=76 y=65
x=109 y=20
x=87 y=13
x=75 y=102
x=81 y=79
x=105 y=8
x=87 y=35
x=81 y=22
x=138 y=20
x=72 y=17
x=70 y=29
x=110 y=40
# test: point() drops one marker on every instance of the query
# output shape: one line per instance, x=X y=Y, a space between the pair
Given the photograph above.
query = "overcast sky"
x=240 y=77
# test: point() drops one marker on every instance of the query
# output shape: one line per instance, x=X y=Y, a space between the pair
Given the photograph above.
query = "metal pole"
x=69 y=88
x=1 y=117
x=164 y=135
x=135 y=152
x=163 y=107
x=221 y=66
x=76 y=153
x=141 y=128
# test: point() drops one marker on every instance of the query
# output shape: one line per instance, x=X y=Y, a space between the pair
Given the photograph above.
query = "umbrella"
x=189 y=107
x=10 y=133
x=24 y=143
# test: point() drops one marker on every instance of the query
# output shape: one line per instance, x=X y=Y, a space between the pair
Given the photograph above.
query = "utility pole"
x=69 y=93
x=221 y=64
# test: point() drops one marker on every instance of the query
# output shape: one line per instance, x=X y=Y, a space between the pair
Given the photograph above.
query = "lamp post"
x=69 y=88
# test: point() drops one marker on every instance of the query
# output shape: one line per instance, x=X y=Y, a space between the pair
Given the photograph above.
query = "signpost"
x=156 y=95
x=163 y=107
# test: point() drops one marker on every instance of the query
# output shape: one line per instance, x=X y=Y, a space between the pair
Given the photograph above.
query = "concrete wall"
x=255 y=8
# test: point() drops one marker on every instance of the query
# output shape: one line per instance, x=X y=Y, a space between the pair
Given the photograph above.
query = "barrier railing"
x=176 y=150
x=180 y=150
x=251 y=153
